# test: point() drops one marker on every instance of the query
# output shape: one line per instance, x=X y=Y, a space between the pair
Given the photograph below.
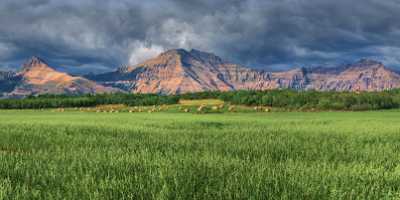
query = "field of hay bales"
x=75 y=154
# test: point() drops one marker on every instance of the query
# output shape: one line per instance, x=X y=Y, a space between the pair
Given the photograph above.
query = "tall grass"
x=73 y=155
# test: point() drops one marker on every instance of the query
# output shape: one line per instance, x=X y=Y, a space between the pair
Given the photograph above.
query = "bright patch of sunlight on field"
x=201 y=102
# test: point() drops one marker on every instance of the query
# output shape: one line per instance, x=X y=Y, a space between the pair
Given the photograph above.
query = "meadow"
x=276 y=155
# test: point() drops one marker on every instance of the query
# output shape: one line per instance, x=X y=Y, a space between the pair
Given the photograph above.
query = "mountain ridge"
x=202 y=71
x=37 y=77
x=179 y=71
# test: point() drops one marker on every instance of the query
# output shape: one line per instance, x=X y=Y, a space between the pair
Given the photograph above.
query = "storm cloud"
x=94 y=36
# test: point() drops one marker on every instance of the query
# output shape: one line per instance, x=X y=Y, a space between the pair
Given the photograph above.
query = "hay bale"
x=258 y=108
x=201 y=108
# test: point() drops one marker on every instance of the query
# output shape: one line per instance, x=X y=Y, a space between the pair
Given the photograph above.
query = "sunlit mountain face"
x=179 y=71
x=37 y=77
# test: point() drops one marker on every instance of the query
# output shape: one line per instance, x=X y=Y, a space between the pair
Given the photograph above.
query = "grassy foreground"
x=86 y=155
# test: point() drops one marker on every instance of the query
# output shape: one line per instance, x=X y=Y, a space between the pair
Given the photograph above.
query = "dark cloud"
x=90 y=35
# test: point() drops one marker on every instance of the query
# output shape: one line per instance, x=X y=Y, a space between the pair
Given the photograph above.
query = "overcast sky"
x=93 y=35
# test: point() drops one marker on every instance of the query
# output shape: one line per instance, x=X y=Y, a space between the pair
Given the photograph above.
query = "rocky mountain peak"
x=34 y=62
x=367 y=63
x=206 y=57
x=37 y=77
x=124 y=69
x=6 y=74
x=183 y=55
x=175 y=52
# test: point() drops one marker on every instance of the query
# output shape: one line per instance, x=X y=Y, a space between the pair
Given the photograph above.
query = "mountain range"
x=179 y=71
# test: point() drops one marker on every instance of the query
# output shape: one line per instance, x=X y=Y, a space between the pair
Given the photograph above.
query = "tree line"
x=307 y=100
x=285 y=99
x=89 y=100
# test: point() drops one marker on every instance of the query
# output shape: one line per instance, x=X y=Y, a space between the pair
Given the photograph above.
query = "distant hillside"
x=365 y=75
x=36 y=77
x=8 y=81
x=179 y=71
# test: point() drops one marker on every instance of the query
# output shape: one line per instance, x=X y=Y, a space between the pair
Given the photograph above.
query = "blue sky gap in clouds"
x=87 y=35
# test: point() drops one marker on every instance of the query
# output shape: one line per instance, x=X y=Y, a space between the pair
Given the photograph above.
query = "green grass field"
x=87 y=155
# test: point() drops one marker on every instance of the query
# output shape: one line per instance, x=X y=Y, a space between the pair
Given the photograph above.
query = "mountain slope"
x=8 y=81
x=365 y=75
x=36 y=77
x=181 y=71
